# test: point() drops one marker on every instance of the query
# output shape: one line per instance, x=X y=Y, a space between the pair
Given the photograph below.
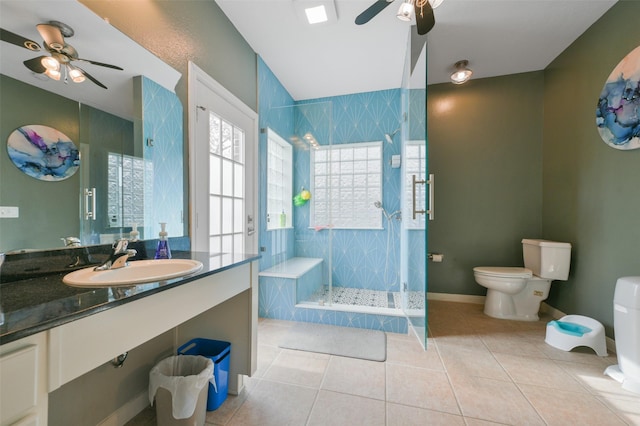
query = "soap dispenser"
x=134 y=234
x=163 y=251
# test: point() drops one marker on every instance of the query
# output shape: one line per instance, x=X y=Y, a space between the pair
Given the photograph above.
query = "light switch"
x=9 y=212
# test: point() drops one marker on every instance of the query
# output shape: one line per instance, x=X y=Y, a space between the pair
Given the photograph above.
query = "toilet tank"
x=547 y=259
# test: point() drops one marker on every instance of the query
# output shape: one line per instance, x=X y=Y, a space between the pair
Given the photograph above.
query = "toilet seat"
x=503 y=271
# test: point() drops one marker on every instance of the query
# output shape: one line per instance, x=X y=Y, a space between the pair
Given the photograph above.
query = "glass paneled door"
x=223 y=170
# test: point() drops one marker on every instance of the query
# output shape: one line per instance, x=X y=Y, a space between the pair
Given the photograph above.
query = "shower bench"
x=288 y=283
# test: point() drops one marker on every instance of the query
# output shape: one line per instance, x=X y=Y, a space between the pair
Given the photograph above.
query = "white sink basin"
x=137 y=272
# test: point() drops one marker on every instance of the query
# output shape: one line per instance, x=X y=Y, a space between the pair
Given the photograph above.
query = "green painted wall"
x=179 y=31
x=591 y=191
x=520 y=156
x=48 y=210
x=485 y=149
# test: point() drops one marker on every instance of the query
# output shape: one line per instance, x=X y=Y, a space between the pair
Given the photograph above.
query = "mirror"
x=129 y=135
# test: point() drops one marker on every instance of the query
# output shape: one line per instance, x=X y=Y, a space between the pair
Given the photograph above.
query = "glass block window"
x=279 y=182
x=226 y=186
x=127 y=179
x=346 y=181
x=415 y=163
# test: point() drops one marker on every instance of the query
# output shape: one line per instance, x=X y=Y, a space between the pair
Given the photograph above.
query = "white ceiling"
x=498 y=37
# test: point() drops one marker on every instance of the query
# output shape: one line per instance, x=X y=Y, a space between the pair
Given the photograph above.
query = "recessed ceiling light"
x=316 y=15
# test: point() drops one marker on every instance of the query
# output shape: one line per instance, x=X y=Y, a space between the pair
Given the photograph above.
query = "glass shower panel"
x=413 y=251
x=307 y=128
x=313 y=221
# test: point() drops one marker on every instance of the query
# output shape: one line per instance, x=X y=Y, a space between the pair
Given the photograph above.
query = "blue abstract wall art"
x=618 y=111
x=43 y=152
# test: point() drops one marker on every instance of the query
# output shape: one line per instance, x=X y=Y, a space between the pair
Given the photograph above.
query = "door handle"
x=251 y=229
x=90 y=213
x=431 y=183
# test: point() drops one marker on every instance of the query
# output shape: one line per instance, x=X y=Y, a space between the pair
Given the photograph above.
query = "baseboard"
x=461 y=298
x=557 y=314
x=548 y=309
x=128 y=411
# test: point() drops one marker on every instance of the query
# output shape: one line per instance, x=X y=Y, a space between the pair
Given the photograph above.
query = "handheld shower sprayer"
x=378 y=205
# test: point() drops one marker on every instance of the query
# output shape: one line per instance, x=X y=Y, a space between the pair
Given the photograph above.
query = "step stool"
x=572 y=331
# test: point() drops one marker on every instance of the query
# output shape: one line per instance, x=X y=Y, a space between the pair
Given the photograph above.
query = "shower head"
x=378 y=204
x=389 y=136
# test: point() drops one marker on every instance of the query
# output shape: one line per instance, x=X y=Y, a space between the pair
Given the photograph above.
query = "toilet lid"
x=502 y=271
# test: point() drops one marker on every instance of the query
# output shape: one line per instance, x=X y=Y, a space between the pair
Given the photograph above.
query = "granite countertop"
x=32 y=305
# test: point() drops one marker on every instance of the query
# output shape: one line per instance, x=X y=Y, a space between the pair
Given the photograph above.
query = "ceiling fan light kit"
x=61 y=54
x=50 y=63
x=462 y=74
x=423 y=13
x=405 y=10
x=75 y=74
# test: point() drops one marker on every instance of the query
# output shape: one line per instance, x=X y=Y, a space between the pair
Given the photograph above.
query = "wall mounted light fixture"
x=462 y=74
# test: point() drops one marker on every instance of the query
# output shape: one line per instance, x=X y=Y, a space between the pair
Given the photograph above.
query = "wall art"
x=43 y=152
x=618 y=111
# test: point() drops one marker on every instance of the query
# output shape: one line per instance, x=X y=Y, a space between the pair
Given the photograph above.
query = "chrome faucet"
x=119 y=256
x=71 y=241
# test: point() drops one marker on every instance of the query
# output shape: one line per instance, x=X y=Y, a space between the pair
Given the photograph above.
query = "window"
x=415 y=163
x=226 y=186
x=127 y=179
x=279 y=182
x=347 y=181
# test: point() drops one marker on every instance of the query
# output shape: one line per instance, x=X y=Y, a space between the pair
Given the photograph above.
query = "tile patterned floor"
x=477 y=371
x=370 y=298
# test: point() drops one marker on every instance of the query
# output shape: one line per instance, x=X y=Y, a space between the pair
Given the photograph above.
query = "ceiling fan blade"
x=18 y=40
x=372 y=11
x=52 y=36
x=424 y=16
x=90 y=77
x=102 y=64
x=35 y=65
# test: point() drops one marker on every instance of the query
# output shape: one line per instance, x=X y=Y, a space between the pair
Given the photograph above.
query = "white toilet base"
x=502 y=306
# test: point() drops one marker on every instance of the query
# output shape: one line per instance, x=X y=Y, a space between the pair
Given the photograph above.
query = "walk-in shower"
x=351 y=254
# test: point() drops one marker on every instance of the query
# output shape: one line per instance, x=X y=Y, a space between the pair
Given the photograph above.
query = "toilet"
x=516 y=293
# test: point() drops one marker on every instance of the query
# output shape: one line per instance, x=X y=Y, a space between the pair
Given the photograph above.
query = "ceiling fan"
x=423 y=10
x=61 y=53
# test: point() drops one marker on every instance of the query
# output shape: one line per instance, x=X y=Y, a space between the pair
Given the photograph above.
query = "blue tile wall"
x=162 y=122
x=358 y=256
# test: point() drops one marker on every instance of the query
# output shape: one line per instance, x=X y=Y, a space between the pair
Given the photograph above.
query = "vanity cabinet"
x=222 y=305
x=23 y=381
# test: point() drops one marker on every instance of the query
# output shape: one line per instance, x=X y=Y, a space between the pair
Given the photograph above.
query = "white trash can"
x=179 y=385
x=626 y=324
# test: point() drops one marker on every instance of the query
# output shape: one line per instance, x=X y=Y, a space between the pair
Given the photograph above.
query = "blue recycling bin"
x=218 y=351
